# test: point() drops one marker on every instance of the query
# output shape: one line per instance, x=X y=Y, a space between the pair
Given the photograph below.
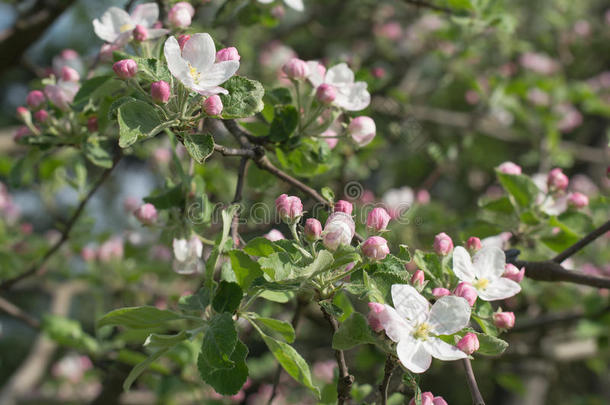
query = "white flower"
x=187 y=254
x=116 y=25
x=295 y=4
x=484 y=272
x=195 y=65
x=415 y=326
x=351 y=95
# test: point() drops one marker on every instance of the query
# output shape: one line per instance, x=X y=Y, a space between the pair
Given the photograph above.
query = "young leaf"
x=199 y=146
x=284 y=123
x=227 y=381
x=68 y=332
x=246 y=270
x=227 y=298
x=520 y=187
x=219 y=342
x=353 y=332
x=490 y=345
x=136 y=119
x=284 y=329
x=195 y=302
x=138 y=317
x=261 y=247
x=141 y=367
x=245 y=98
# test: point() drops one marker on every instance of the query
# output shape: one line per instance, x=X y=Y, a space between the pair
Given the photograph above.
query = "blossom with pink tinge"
x=296 y=69
x=513 y=273
x=373 y=318
x=330 y=137
x=571 y=118
x=21 y=132
x=509 y=168
x=146 y=214
x=469 y=343
x=362 y=130
x=110 y=250
x=181 y=14
x=68 y=74
x=422 y=197
x=160 y=91
x=35 y=98
x=326 y=93
x=578 y=200
x=378 y=219
x=88 y=253
x=439 y=401
x=391 y=30
x=289 y=208
x=443 y=245
x=426 y=399
x=538 y=63
x=473 y=244
x=313 y=229
x=41 y=115
x=557 y=180
x=182 y=39
x=418 y=279
x=338 y=230
x=117 y=26
x=213 y=105
x=375 y=248
x=538 y=97
x=378 y=72
x=229 y=53
x=440 y=292
x=582 y=28
x=125 y=69
x=466 y=291
x=504 y=320
x=324 y=370
x=343 y=206
x=140 y=33
x=274 y=235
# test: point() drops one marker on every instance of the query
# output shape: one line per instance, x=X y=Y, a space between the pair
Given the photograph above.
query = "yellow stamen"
x=194 y=73
x=481 y=284
x=422 y=331
x=125 y=28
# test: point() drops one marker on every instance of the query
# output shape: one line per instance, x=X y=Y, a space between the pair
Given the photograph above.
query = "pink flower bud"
x=556 y=180
x=227 y=54
x=146 y=214
x=213 y=105
x=69 y=54
x=140 y=33
x=362 y=130
x=378 y=219
x=443 y=245
x=35 y=98
x=338 y=230
x=469 y=343
x=126 y=68
x=376 y=309
x=181 y=15
x=439 y=401
x=296 y=69
x=473 y=244
x=21 y=132
x=418 y=279
x=378 y=72
x=440 y=292
x=313 y=229
x=426 y=399
x=467 y=291
x=182 y=39
x=375 y=247
x=509 y=168
x=326 y=93
x=512 y=272
x=92 y=124
x=504 y=320
x=23 y=114
x=41 y=115
x=274 y=235
x=422 y=197
x=69 y=75
x=578 y=200
x=130 y=203
x=88 y=254
x=289 y=208
x=343 y=206
x=160 y=92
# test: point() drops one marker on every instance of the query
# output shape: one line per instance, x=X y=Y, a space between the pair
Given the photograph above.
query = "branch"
x=552 y=271
x=37 y=268
x=239 y=188
x=223 y=150
x=345 y=381
x=16 y=312
x=582 y=243
x=390 y=365
x=477 y=398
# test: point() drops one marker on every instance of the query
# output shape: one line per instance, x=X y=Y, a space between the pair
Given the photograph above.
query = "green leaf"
x=227 y=381
x=174 y=197
x=279 y=95
x=429 y=263
x=195 y=302
x=328 y=193
x=199 y=146
x=153 y=68
x=141 y=367
x=245 y=268
x=522 y=189
x=136 y=119
x=353 y=332
x=278 y=266
x=490 y=345
x=284 y=329
x=403 y=253
x=227 y=298
x=68 y=332
x=219 y=341
x=501 y=205
x=157 y=341
x=93 y=88
x=210 y=267
x=284 y=123
x=321 y=263
x=138 y=317
x=261 y=247
x=245 y=98
x=98 y=151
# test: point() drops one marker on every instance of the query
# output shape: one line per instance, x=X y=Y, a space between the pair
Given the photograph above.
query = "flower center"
x=481 y=284
x=125 y=28
x=422 y=331
x=194 y=73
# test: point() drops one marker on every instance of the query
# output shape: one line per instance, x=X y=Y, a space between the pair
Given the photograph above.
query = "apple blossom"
x=274 y=235
x=110 y=250
x=415 y=326
x=213 y=105
x=140 y=33
x=375 y=248
x=512 y=272
x=229 y=53
x=440 y=292
x=338 y=230
x=330 y=137
x=326 y=93
x=351 y=96
x=313 y=229
x=125 y=68
x=509 y=168
x=187 y=255
x=116 y=26
x=343 y=206
x=35 y=98
x=146 y=214
x=181 y=14
x=398 y=200
x=289 y=208
x=484 y=271
x=538 y=63
x=294 y=4
x=296 y=69
x=194 y=65
x=443 y=245
x=504 y=320
x=362 y=130
x=88 y=254
x=68 y=74
x=578 y=200
x=378 y=219
x=160 y=91
x=373 y=317
x=41 y=115
x=465 y=290
x=473 y=244
x=426 y=399
x=62 y=93
x=469 y=343
x=439 y=401
x=557 y=180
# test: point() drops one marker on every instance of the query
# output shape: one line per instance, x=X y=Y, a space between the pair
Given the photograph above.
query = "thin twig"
x=390 y=366
x=345 y=381
x=38 y=268
x=223 y=150
x=239 y=188
x=16 y=312
x=582 y=243
x=477 y=398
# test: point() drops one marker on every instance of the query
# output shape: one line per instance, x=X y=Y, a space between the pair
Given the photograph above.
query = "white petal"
x=354 y=97
x=156 y=32
x=180 y=249
x=295 y=4
x=339 y=75
x=113 y=21
x=449 y=314
x=190 y=266
x=176 y=64
x=265 y=1
x=396 y=327
x=409 y=303
x=442 y=351
x=218 y=73
x=145 y=14
x=314 y=77
x=200 y=52
x=499 y=289
x=489 y=263
x=209 y=91
x=462 y=265
x=413 y=355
